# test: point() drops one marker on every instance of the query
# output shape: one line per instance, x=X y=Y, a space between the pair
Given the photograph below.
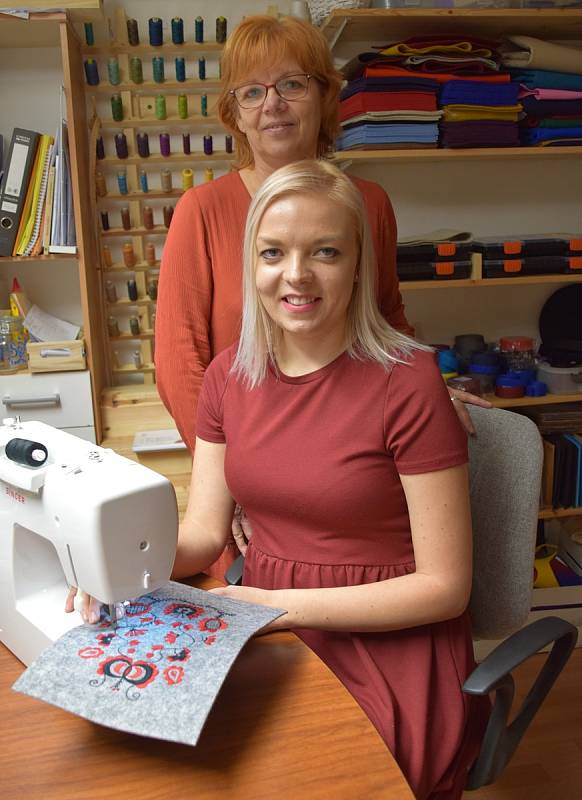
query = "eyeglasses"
x=253 y=95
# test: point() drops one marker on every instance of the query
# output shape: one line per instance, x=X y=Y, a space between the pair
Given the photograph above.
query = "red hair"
x=262 y=40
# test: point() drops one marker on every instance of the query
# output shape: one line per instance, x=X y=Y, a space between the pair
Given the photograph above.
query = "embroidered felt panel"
x=158 y=672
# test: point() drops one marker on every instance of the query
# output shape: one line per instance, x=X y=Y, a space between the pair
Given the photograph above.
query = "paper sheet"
x=46 y=328
x=158 y=673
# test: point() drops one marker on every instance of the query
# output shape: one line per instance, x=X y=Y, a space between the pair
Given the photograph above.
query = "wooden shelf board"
x=50 y=257
x=459 y=154
x=381 y=26
x=141 y=301
x=151 y=195
x=478 y=283
x=194 y=121
x=130 y=368
x=556 y=513
x=129 y=337
x=169 y=49
x=41 y=29
x=516 y=402
x=139 y=267
x=195 y=157
x=156 y=230
x=179 y=87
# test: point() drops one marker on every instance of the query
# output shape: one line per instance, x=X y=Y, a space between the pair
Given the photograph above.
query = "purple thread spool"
x=143 y=145
x=208 y=145
x=121 y=145
x=186 y=143
x=165 y=144
x=100 y=148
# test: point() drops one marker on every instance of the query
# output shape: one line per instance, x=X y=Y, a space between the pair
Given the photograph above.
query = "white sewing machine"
x=86 y=517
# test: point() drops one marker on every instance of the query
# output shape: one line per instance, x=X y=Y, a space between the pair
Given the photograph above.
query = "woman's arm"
x=206 y=525
x=440 y=520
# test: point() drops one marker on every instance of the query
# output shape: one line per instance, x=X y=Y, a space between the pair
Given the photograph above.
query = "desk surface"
x=282 y=727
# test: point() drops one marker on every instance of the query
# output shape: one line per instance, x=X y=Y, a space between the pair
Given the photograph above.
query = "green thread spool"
x=136 y=70
x=113 y=71
x=158 y=69
x=89 y=36
x=116 y=107
x=182 y=106
x=160 y=107
x=204 y=105
x=221 y=30
x=187 y=179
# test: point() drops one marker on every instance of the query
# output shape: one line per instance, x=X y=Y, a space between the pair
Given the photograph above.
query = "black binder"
x=15 y=184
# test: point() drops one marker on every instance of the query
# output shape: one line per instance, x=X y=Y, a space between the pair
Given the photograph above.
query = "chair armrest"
x=494 y=674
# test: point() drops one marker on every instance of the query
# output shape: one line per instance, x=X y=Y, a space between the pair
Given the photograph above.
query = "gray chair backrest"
x=505 y=467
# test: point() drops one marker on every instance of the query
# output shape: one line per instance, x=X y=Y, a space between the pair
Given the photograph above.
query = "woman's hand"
x=241 y=529
x=459 y=398
x=88 y=607
x=261 y=597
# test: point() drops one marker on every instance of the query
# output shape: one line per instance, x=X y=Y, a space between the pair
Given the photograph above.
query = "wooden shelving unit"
x=455 y=154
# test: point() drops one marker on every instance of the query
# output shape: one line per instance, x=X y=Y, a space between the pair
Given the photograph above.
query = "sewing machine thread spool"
x=166 y=180
x=180 y=69
x=198 y=30
x=148 y=218
x=116 y=107
x=25 y=451
x=208 y=174
x=121 y=145
x=207 y=139
x=228 y=143
x=182 y=106
x=202 y=69
x=134 y=326
x=161 y=107
x=100 y=184
x=136 y=70
x=110 y=292
x=143 y=145
x=168 y=214
x=100 y=148
x=177 y=30
x=132 y=32
x=113 y=71
x=122 y=181
x=92 y=72
x=221 y=30
x=165 y=144
x=107 y=257
x=113 y=327
x=187 y=179
x=204 y=105
x=150 y=254
x=143 y=181
x=137 y=359
x=89 y=35
x=186 y=143
x=128 y=255
x=153 y=289
x=105 y=220
x=156 y=32
x=125 y=219
x=158 y=69
x=132 y=289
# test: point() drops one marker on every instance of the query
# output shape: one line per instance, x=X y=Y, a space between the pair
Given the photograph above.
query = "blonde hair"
x=262 y=40
x=369 y=336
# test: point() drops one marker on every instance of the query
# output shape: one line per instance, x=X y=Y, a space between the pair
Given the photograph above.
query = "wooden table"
x=282 y=727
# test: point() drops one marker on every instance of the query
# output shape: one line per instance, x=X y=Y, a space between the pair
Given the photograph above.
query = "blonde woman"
x=337 y=436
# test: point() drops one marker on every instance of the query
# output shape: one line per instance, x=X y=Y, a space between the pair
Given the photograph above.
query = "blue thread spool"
x=122 y=182
x=156 y=32
x=178 y=30
x=202 y=69
x=113 y=71
x=143 y=181
x=100 y=148
x=92 y=72
x=158 y=68
x=207 y=145
x=165 y=144
x=132 y=32
x=228 y=143
x=198 y=30
x=186 y=143
x=180 y=70
x=89 y=36
x=121 y=145
x=204 y=105
x=143 y=145
x=116 y=107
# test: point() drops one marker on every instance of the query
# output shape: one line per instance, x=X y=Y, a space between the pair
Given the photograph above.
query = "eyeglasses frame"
x=268 y=86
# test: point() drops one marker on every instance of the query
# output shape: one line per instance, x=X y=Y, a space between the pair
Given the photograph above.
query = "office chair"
x=505 y=467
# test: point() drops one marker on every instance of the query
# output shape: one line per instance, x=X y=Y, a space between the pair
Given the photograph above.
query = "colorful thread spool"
x=204 y=105
x=150 y=254
x=100 y=184
x=182 y=106
x=110 y=292
x=131 y=285
x=143 y=145
x=132 y=32
x=187 y=179
x=160 y=107
x=105 y=220
x=186 y=143
x=180 y=69
x=89 y=35
x=148 y=217
x=143 y=181
x=177 y=26
x=113 y=71
x=207 y=139
x=122 y=182
x=166 y=180
x=158 y=69
x=113 y=327
x=168 y=214
x=228 y=143
x=156 y=31
x=116 y=107
x=221 y=30
x=208 y=174
x=153 y=320
x=125 y=219
x=134 y=327
x=107 y=258
x=202 y=69
x=99 y=148
x=199 y=30
x=136 y=70
x=153 y=289
x=92 y=72
x=121 y=145
x=165 y=144
x=128 y=256
x=137 y=359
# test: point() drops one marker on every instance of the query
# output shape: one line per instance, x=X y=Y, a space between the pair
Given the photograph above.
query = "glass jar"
x=12 y=344
x=518 y=352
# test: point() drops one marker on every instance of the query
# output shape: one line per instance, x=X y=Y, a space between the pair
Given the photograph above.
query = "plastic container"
x=531 y=265
x=486 y=376
x=12 y=344
x=466 y=345
x=518 y=352
x=433 y=270
x=465 y=384
x=508 y=387
x=447 y=361
x=561 y=380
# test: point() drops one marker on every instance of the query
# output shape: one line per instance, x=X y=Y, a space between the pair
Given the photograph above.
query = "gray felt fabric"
x=158 y=673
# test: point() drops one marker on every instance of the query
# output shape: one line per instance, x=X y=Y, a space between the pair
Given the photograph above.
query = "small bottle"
x=132 y=289
x=113 y=327
x=110 y=292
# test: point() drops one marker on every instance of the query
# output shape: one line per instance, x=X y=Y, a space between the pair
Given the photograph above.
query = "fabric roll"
x=538 y=54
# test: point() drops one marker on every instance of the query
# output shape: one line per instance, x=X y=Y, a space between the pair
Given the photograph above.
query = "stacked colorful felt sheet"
x=479 y=115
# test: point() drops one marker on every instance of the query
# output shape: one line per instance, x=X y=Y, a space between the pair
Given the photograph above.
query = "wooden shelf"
x=50 y=257
x=41 y=29
x=128 y=337
x=478 y=283
x=190 y=85
x=141 y=301
x=379 y=25
x=195 y=157
x=458 y=154
x=517 y=402
x=557 y=513
x=151 y=195
x=140 y=267
x=129 y=368
x=156 y=230
x=169 y=49
x=195 y=122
